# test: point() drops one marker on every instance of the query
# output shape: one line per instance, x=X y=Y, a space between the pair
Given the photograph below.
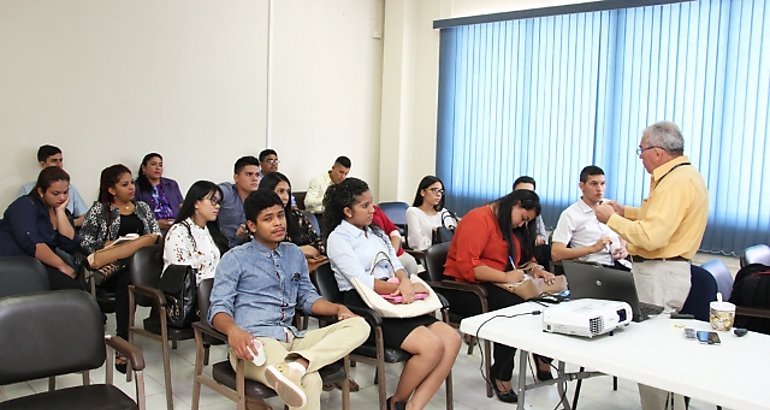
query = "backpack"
x=752 y=289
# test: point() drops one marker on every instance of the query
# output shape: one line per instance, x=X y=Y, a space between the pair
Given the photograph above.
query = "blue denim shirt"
x=351 y=251
x=260 y=288
x=230 y=213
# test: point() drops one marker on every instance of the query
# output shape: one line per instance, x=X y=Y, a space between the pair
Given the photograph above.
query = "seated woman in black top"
x=299 y=230
x=39 y=225
x=116 y=214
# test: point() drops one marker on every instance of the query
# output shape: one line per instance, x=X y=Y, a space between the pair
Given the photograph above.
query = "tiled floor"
x=469 y=390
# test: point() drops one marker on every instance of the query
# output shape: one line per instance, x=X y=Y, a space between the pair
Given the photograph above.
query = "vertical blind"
x=547 y=96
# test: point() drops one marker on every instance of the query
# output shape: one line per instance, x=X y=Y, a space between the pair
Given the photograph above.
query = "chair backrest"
x=327 y=285
x=204 y=294
x=722 y=275
x=435 y=258
x=22 y=274
x=49 y=333
x=145 y=268
x=703 y=291
x=299 y=196
x=396 y=212
x=759 y=253
x=313 y=221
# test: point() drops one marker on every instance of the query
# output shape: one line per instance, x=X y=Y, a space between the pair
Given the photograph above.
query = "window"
x=547 y=96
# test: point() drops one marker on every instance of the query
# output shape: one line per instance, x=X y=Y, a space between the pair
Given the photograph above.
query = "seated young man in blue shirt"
x=257 y=287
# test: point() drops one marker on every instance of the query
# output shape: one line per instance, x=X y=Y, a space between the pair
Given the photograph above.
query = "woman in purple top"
x=162 y=194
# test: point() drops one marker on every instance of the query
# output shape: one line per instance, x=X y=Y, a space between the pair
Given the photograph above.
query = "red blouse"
x=380 y=219
x=478 y=240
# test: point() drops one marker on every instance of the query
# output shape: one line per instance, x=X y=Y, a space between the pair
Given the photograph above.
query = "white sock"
x=296 y=366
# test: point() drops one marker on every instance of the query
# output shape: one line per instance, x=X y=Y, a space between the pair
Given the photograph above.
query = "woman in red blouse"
x=489 y=245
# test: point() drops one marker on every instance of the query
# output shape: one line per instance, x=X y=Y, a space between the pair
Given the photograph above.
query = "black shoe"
x=398 y=405
x=543 y=375
x=509 y=396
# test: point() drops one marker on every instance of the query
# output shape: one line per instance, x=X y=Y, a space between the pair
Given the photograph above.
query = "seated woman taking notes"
x=489 y=245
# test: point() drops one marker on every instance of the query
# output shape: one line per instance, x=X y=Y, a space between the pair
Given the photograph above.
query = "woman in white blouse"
x=427 y=213
x=194 y=239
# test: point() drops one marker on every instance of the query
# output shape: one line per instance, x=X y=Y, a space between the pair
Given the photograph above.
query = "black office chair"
x=233 y=384
x=145 y=269
x=759 y=253
x=722 y=275
x=703 y=291
x=57 y=332
x=455 y=292
x=22 y=274
x=377 y=354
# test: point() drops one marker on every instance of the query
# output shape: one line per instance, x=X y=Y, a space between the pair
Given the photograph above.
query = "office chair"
x=759 y=253
x=703 y=291
x=145 y=269
x=21 y=274
x=722 y=275
x=57 y=332
x=396 y=212
x=435 y=258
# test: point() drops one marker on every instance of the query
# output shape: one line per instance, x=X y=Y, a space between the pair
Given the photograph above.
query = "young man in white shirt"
x=579 y=234
x=317 y=188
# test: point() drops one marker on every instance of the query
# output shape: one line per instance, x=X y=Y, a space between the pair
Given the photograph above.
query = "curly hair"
x=336 y=199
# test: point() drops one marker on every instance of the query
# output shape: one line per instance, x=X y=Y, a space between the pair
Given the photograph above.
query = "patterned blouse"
x=189 y=244
x=307 y=234
x=95 y=232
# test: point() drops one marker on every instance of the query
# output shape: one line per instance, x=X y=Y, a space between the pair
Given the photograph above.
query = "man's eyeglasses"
x=640 y=150
x=273 y=161
x=215 y=200
x=437 y=191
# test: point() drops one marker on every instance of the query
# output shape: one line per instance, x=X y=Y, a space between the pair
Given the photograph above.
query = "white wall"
x=111 y=81
x=206 y=82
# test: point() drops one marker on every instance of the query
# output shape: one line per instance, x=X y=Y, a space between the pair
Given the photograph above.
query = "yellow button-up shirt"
x=672 y=220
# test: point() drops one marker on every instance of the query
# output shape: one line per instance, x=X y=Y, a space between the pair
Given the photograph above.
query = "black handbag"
x=178 y=285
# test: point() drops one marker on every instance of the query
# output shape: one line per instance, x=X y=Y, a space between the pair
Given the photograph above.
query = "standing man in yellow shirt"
x=665 y=233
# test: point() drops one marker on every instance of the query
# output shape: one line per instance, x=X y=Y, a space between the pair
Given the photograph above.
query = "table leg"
x=561 y=387
x=523 y=355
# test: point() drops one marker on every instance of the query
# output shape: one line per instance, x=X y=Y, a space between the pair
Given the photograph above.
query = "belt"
x=674 y=259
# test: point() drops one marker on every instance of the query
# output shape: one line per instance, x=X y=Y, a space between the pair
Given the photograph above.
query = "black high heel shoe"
x=543 y=375
x=398 y=405
x=509 y=396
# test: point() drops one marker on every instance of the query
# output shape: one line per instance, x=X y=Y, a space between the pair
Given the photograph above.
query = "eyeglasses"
x=273 y=161
x=437 y=191
x=214 y=200
x=640 y=150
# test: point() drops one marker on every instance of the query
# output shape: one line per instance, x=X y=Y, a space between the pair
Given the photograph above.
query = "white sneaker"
x=287 y=382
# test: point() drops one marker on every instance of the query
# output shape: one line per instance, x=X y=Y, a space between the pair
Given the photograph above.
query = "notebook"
x=599 y=282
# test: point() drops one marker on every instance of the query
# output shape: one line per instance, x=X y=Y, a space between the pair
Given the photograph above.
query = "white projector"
x=586 y=317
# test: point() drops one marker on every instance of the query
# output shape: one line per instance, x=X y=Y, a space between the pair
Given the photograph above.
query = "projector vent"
x=596 y=325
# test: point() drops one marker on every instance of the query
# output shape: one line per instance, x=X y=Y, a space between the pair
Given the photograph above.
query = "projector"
x=586 y=317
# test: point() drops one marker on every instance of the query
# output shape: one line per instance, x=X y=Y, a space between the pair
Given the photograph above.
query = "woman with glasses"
x=427 y=214
x=359 y=249
x=490 y=245
x=194 y=239
x=161 y=193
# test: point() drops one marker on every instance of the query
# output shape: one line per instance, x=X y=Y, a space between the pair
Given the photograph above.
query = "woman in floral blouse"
x=194 y=239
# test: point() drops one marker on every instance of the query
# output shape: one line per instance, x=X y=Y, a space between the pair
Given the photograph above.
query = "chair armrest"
x=444 y=301
x=157 y=296
x=372 y=317
x=205 y=328
x=127 y=349
x=478 y=290
x=752 y=312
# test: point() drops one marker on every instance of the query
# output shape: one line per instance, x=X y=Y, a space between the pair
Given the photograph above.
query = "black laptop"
x=599 y=282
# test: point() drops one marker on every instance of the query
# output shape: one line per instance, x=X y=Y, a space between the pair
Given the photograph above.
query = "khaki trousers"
x=320 y=347
x=667 y=284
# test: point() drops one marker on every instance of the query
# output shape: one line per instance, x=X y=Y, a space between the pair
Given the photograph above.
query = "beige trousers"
x=320 y=347
x=667 y=284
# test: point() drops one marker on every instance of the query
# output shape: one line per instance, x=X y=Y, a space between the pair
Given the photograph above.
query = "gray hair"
x=665 y=135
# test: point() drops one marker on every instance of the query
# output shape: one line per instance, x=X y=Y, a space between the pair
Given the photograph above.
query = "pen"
x=513 y=264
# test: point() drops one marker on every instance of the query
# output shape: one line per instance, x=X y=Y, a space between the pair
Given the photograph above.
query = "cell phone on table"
x=711 y=338
x=689 y=333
